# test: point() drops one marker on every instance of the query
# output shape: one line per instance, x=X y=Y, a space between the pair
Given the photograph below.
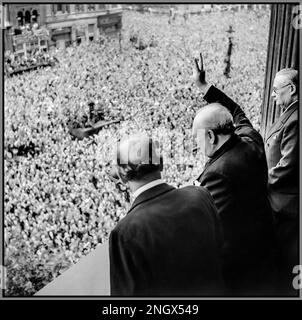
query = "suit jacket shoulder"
x=285 y=119
x=159 y=248
x=282 y=149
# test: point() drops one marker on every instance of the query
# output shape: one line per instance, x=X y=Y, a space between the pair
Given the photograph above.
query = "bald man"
x=169 y=242
x=236 y=177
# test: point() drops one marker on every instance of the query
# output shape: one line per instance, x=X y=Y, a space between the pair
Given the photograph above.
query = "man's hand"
x=199 y=75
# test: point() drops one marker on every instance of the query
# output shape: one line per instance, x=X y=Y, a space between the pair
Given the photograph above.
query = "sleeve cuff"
x=206 y=90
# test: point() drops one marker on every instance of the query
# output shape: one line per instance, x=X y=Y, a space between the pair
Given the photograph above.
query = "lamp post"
x=229 y=53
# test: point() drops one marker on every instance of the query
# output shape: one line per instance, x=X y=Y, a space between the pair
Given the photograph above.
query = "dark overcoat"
x=167 y=245
x=236 y=176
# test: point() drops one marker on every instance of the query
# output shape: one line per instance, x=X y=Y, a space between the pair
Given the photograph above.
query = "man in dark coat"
x=282 y=150
x=169 y=242
x=236 y=177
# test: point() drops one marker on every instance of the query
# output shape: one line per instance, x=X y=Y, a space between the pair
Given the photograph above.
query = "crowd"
x=59 y=202
x=14 y=64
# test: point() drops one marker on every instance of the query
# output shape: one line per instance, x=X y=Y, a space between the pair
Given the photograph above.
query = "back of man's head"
x=138 y=158
x=212 y=127
x=216 y=117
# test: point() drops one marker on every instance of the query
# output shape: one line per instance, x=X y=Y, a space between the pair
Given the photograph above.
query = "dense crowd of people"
x=59 y=201
x=14 y=64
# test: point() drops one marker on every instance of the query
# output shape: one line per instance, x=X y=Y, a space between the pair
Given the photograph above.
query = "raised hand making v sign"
x=199 y=75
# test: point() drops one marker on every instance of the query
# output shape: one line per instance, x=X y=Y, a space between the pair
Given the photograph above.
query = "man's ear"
x=121 y=172
x=212 y=137
x=293 y=90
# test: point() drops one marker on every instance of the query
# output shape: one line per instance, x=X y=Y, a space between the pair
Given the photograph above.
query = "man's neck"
x=223 y=141
x=146 y=186
x=135 y=185
x=290 y=104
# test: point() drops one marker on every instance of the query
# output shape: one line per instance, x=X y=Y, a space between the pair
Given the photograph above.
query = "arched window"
x=20 y=18
x=27 y=17
x=34 y=16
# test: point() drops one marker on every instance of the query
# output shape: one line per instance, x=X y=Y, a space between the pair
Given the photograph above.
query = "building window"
x=18 y=31
x=102 y=6
x=34 y=16
x=91 y=7
x=53 y=9
x=27 y=17
x=63 y=7
x=79 y=7
x=91 y=28
x=20 y=18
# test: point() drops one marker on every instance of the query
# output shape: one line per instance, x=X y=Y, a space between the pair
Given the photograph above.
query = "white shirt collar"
x=146 y=187
x=290 y=106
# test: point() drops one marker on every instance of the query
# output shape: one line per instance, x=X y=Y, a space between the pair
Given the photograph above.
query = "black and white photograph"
x=151 y=150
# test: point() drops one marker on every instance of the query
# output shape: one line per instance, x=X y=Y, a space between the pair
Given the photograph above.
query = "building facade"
x=43 y=26
x=75 y=23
